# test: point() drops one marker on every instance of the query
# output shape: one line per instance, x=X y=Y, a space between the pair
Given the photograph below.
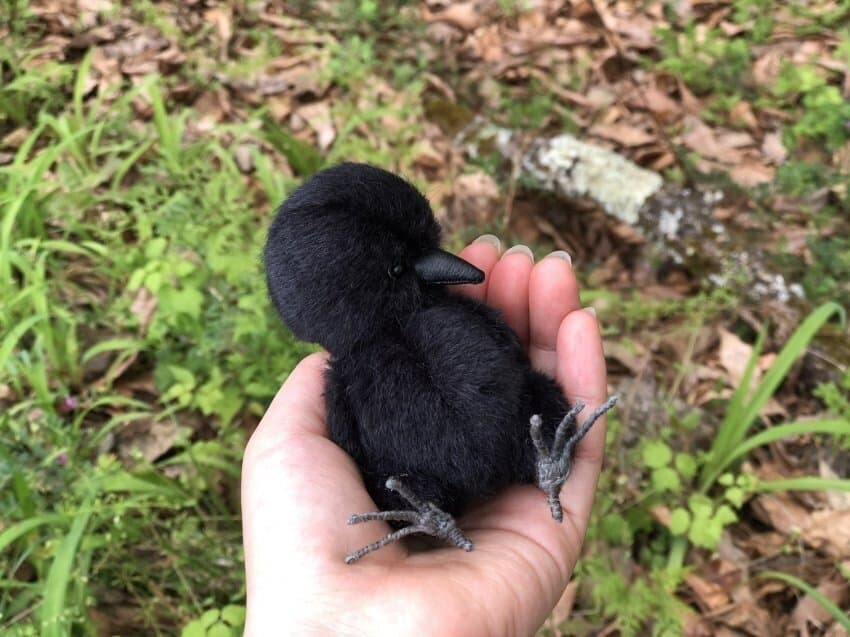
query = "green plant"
x=837 y=614
x=731 y=443
x=709 y=63
x=224 y=622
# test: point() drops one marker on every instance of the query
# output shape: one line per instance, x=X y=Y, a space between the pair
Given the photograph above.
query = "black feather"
x=423 y=384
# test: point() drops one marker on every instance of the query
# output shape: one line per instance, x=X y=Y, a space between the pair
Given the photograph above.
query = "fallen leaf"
x=704 y=140
x=780 y=512
x=664 y=106
x=463 y=15
x=734 y=354
x=773 y=149
x=838 y=500
x=427 y=156
x=810 y=611
x=766 y=68
x=221 y=17
x=750 y=618
x=318 y=117
x=143 y=307
x=150 y=440
x=829 y=531
x=709 y=595
x=243 y=157
x=742 y=113
x=752 y=173
x=475 y=200
x=623 y=134
x=15 y=138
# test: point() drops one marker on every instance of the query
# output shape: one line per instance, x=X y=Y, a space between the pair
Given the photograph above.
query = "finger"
x=508 y=288
x=552 y=294
x=581 y=372
x=299 y=487
x=298 y=406
x=483 y=253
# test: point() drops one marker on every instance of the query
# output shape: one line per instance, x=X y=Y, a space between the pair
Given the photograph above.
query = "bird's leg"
x=554 y=464
x=425 y=518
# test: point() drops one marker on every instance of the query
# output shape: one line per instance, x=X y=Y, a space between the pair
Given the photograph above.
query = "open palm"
x=299 y=488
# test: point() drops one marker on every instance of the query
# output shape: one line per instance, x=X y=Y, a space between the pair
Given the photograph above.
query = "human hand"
x=298 y=489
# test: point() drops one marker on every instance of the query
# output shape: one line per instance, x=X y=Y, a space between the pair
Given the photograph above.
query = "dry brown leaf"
x=781 y=513
x=773 y=149
x=752 y=173
x=664 y=106
x=221 y=17
x=693 y=106
x=486 y=44
x=630 y=354
x=836 y=630
x=709 y=595
x=143 y=307
x=808 y=610
x=151 y=440
x=766 y=68
x=623 y=134
x=829 y=531
x=750 y=618
x=734 y=354
x=15 y=138
x=742 y=113
x=475 y=200
x=242 y=155
x=135 y=44
x=838 y=500
x=318 y=117
x=427 y=156
x=463 y=15
x=704 y=140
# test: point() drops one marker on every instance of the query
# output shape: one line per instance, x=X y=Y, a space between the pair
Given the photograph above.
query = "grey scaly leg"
x=426 y=518
x=554 y=465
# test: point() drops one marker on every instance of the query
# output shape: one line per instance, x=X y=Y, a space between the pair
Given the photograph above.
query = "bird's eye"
x=396 y=270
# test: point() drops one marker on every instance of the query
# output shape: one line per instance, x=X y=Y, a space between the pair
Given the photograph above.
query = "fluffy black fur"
x=423 y=384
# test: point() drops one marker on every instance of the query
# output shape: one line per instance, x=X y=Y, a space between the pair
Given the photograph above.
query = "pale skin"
x=299 y=488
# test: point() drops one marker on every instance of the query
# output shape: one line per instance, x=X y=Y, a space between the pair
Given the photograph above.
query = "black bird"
x=430 y=392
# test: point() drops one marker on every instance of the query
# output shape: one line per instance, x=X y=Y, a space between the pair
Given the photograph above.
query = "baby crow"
x=430 y=392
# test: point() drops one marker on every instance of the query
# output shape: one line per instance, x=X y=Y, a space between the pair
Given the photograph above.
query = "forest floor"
x=144 y=146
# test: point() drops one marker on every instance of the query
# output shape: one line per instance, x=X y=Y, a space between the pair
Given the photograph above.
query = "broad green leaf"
x=656 y=454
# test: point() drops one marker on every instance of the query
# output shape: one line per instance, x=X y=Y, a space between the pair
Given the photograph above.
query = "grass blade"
x=59 y=575
x=777 y=432
x=837 y=614
x=741 y=415
x=14 y=335
x=793 y=349
x=22 y=528
x=805 y=483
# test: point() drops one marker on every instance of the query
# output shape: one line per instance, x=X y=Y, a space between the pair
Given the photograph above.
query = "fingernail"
x=520 y=249
x=490 y=239
x=590 y=310
x=561 y=254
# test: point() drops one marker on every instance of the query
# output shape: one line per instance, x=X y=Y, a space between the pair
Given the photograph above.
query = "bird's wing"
x=440 y=404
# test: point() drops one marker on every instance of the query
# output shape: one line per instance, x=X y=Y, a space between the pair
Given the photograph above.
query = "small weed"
x=708 y=62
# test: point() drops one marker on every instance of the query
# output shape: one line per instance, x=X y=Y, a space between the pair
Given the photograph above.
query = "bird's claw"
x=426 y=518
x=555 y=463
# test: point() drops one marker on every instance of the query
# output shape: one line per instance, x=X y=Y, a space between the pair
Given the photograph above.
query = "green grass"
x=103 y=211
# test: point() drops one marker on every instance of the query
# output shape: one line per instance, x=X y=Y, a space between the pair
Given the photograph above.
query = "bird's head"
x=353 y=251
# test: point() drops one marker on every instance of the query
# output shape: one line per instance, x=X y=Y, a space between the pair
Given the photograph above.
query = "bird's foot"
x=554 y=464
x=425 y=518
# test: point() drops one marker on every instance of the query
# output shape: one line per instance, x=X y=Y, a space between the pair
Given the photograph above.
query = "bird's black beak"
x=443 y=268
